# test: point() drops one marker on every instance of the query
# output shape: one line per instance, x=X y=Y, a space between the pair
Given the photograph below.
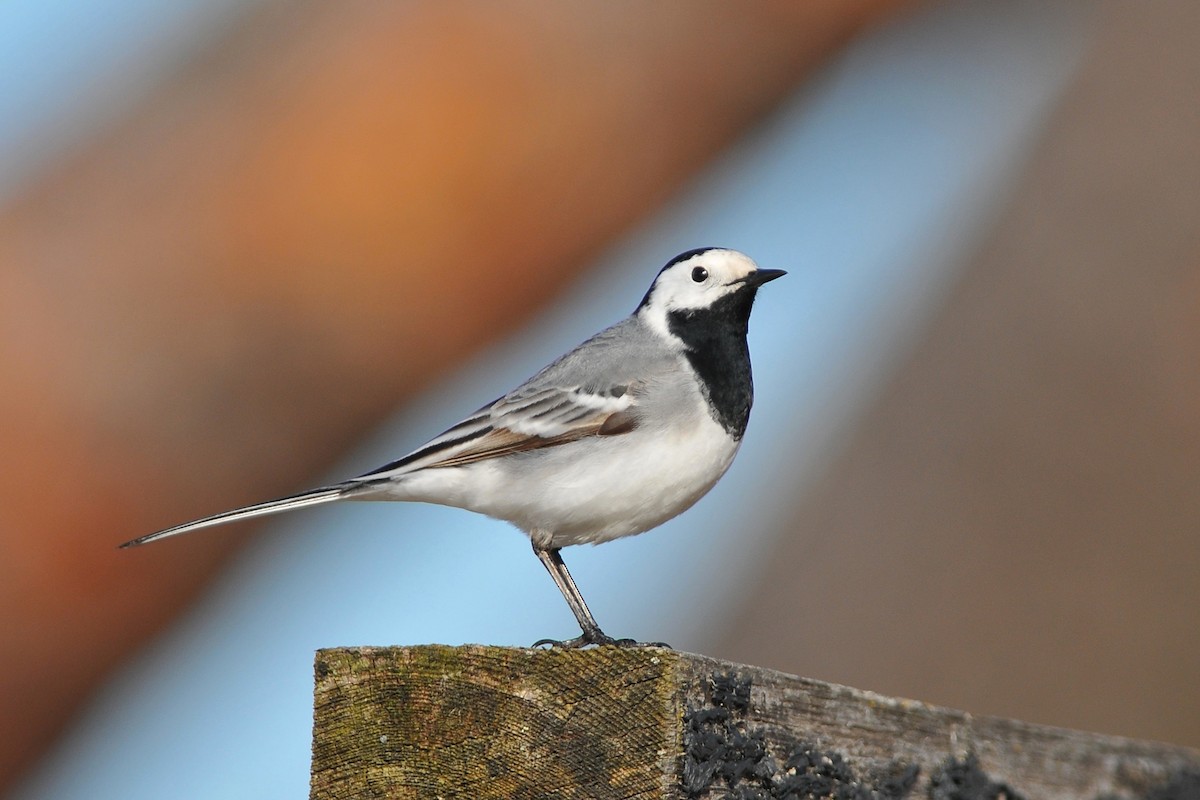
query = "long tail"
x=310 y=498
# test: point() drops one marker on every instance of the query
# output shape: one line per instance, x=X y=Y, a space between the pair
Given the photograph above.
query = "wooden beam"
x=493 y=722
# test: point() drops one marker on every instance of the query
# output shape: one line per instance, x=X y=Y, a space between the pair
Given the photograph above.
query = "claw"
x=596 y=639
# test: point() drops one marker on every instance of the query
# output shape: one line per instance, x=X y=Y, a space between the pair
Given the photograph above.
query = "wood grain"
x=492 y=722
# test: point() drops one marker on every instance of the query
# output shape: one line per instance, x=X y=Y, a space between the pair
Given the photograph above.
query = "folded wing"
x=525 y=420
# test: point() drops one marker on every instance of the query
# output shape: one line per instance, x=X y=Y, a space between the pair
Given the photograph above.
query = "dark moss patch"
x=962 y=779
x=730 y=691
x=724 y=754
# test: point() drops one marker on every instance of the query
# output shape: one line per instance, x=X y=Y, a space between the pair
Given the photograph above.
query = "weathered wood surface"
x=491 y=722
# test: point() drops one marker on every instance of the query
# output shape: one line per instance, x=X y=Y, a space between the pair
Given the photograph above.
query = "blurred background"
x=250 y=246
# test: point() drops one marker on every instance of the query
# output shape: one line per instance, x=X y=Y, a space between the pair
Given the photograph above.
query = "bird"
x=612 y=439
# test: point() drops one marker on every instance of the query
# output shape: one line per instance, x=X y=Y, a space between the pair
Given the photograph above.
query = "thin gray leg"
x=552 y=560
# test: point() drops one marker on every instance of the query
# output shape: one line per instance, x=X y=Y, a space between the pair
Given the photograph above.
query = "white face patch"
x=695 y=282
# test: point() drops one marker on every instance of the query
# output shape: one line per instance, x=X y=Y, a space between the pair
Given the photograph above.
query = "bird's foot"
x=596 y=638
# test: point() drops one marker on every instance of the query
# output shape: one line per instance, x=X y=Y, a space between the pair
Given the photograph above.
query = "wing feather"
x=519 y=422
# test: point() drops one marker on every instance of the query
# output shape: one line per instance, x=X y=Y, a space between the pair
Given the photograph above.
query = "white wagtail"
x=614 y=438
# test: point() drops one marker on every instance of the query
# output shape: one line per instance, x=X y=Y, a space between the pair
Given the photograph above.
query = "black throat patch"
x=716 y=348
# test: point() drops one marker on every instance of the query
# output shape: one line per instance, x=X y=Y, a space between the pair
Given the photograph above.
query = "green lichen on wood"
x=483 y=722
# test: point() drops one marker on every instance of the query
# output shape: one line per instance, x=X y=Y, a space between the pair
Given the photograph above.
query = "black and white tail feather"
x=312 y=497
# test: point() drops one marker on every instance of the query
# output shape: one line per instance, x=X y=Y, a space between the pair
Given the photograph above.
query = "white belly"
x=592 y=490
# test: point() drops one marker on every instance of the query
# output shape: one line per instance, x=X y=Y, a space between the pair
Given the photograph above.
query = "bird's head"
x=708 y=279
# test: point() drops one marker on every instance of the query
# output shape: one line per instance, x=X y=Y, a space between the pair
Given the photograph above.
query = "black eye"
x=699 y=274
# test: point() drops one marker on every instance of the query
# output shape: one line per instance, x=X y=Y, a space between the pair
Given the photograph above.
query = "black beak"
x=759 y=277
